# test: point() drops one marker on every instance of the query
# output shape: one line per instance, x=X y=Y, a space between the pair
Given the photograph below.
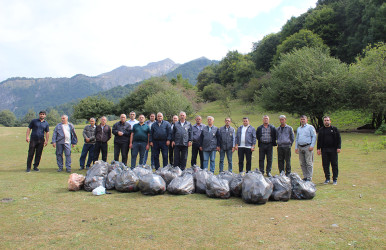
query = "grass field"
x=43 y=214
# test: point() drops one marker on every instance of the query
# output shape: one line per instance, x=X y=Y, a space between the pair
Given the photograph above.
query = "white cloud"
x=62 y=38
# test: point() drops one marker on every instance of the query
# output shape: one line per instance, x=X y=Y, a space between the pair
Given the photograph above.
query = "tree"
x=212 y=92
x=53 y=117
x=207 y=76
x=28 y=117
x=264 y=51
x=306 y=81
x=7 y=118
x=228 y=66
x=368 y=82
x=93 y=106
x=169 y=103
x=304 y=38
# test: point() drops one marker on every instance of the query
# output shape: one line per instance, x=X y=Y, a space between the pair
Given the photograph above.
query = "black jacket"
x=336 y=135
x=105 y=136
x=259 y=134
x=125 y=128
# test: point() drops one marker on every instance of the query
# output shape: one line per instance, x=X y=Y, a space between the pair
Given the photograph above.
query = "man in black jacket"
x=266 y=136
x=329 y=145
x=121 y=130
x=102 y=136
x=160 y=137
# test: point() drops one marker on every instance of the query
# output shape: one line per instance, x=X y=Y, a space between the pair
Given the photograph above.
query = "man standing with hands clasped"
x=329 y=145
x=182 y=137
x=304 y=146
x=121 y=130
x=285 y=139
x=266 y=136
x=210 y=143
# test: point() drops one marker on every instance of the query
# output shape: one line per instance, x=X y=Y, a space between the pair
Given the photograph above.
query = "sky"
x=62 y=38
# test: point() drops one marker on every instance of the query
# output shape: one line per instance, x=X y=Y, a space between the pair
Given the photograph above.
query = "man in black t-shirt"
x=38 y=140
x=329 y=145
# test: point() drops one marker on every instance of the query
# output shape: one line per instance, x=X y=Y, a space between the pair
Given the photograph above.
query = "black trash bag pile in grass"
x=217 y=187
x=127 y=181
x=226 y=175
x=116 y=164
x=200 y=178
x=281 y=187
x=302 y=189
x=168 y=173
x=96 y=176
x=236 y=184
x=182 y=185
x=142 y=170
x=111 y=177
x=152 y=184
x=255 y=188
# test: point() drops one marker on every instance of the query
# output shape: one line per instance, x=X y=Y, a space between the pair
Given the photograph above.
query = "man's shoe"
x=81 y=168
x=36 y=169
x=59 y=170
x=335 y=182
x=326 y=181
x=68 y=170
x=269 y=174
x=28 y=170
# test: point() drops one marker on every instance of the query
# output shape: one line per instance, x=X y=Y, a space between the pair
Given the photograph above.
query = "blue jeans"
x=151 y=157
x=87 y=148
x=138 y=147
x=212 y=156
x=229 y=158
x=66 y=148
x=157 y=147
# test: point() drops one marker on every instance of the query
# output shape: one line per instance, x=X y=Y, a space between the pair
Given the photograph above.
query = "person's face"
x=42 y=116
x=282 y=121
x=160 y=117
x=245 y=122
x=103 y=121
x=210 y=121
x=123 y=118
x=303 y=121
x=227 y=122
x=152 y=117
x=64 y=119
x=141 y=118
x=327 y=122
x=198 y=120
x=265 y=120
x=132 y=116
x=92 y=122
x=175 y=119
x=182 y=116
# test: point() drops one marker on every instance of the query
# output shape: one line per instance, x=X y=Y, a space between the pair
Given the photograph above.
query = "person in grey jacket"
x=160 y=137
x=210 y=143
x=285 y=139
x=266 y=137
x=196 y=129
x=88 y=146
x=182 y=137
x=227 y=144
x=63 y=137
x=245 y=144
x=121 y=130
x=149 y=123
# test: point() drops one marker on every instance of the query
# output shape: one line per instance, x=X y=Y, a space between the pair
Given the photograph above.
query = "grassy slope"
x=44 y=214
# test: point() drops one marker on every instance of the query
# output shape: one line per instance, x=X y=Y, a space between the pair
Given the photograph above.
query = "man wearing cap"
x=285 y=139
x=38 y=140
x=304 y=146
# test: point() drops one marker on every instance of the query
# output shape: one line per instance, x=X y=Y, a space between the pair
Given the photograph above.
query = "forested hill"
x=21 y=94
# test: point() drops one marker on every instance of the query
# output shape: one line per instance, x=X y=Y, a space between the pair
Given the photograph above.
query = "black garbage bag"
x=226 y=175
x=236 y=184
x=127 y=181
x=96 y=176
x=110 y=180
x=116 y=164
x=217 y=187
x=281 y=187
x=141 y=171
x=256 y=189
x=182 y=185
x=302 y=189
x=152 y=184
x=200 y=178
x=168 y=173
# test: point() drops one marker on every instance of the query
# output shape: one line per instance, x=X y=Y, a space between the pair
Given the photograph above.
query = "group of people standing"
x=173 y=140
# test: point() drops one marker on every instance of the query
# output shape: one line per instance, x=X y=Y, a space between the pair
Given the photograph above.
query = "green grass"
x=43 y=214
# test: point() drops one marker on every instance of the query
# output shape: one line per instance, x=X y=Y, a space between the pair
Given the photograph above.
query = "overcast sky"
x=61 y=38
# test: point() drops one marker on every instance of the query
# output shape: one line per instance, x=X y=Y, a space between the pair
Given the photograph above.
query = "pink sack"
x=75 y=182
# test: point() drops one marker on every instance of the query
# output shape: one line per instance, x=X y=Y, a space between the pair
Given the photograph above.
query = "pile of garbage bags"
x=252 y=187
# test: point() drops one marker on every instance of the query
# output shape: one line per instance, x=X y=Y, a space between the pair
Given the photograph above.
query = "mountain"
x=20 y=94
x=190 y=70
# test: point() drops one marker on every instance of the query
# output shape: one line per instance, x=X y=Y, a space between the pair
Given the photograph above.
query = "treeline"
x=332 y=57
x=8 y=118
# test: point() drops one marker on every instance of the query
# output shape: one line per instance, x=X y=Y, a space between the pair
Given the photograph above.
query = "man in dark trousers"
x=89 y=145
x=102 y=136
x=38 y=140
x=171 y=147
x=121 y=130
x=196 y=130
x=245 y=144
x=266 y=136
x=182 y=137
x=285 y=139
x=160 y=137
x=329 y=145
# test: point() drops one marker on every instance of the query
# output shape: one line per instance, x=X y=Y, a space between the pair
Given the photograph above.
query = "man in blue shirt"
x=38 y=140
x=304 y=146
